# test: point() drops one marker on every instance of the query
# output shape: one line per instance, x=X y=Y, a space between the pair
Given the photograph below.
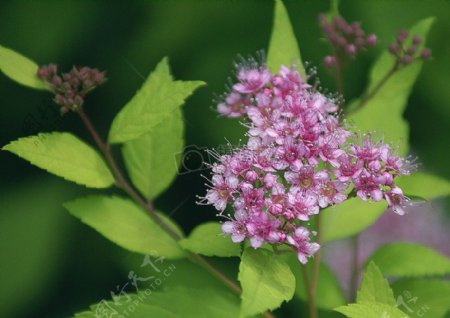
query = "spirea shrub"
x=313 y=168
x=299 y=158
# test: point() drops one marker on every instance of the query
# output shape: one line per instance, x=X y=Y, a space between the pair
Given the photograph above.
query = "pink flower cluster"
x=298 y=159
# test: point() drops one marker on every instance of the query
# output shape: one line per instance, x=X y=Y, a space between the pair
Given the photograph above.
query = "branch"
x=147 y=205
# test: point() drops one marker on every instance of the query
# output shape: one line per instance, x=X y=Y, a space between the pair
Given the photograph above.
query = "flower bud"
x=406 y=59
x=251 y=176
x=411 y=50
x=402 y=35
x=351 y=50
x=416 y=40
x=426 y=53
x=394 y=48
x=371 y=40
x=329 y=61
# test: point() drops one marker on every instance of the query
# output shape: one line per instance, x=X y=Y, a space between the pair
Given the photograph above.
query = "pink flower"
x=290 y=154
x=221 y=191
x=331 y=192
x=303 y=205
x=306 y=179
x=261 y=228
x=277 y=202
x=348 y=167
x=237 y=228
x=368 y=185
x=300 y=240
x=234 y=105
x=253 y=198
x=396 y=200
x=252 y=80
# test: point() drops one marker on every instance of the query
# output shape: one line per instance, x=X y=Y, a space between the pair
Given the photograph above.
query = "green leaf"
x=64 y=155
x=424 y=185
x=283 y=47
x=334 y=9
x=383 y=113
x=329 y=292
x=158 y=97
x=143 y=310
x=126 y=224
x=151 y=159
x=423 y=298
x=186 y=273
x=20 y=69
x=371 y=310
x=374 y=287
x=179 y=302
x=266 y=281
x=410 y=259
x=349 y=218
x=207 y=239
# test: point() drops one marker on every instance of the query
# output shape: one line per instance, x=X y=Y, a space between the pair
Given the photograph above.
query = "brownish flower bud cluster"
x=71 y=88
x=407 y=54
x=346 y=39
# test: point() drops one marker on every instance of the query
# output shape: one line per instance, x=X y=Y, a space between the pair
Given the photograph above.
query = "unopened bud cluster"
x=406 y=54
x=347 y=39
x=71 y=88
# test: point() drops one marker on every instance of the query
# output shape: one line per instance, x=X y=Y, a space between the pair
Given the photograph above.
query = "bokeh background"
x=50 y=264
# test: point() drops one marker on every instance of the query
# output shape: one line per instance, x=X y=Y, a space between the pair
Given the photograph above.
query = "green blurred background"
x=50 y=264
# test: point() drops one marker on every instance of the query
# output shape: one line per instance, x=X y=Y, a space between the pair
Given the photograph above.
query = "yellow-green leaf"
x=158 y=97
x=423 y=297
x=152 y=159
x=374 y=287
x=383 y=113
x=64 y=155
x=410 y=259
x=349 y=218
x=20 y=69
x=207 y=239
x=126 y=224
x=424 y=185
x=371 y=310
x=283 y=47
x=266 y=280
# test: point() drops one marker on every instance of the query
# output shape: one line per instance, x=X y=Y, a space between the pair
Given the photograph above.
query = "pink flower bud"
x=406 y=59
x=351 y=50
x=329 y=61
x=371 y=40
x=416 y=40
x=394 y=48
x=426 y=53
x=251 y=176
x=402 y=35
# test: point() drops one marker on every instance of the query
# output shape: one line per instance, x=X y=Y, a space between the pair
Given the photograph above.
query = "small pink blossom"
x=221 y=192
x=300 y=240
x=303 y=205
x=252 y=80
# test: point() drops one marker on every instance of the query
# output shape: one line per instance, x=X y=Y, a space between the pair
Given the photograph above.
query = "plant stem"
x=338 y=76
x=120 y=180
x=316 y=269
x=309 y=295
x=369 y=94
x=355 y=268
x=147 y=205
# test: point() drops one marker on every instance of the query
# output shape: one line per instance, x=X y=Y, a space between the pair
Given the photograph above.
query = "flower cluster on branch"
x=299 y=158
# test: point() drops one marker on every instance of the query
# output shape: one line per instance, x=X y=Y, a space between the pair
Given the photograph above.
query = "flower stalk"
x=147 y=205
